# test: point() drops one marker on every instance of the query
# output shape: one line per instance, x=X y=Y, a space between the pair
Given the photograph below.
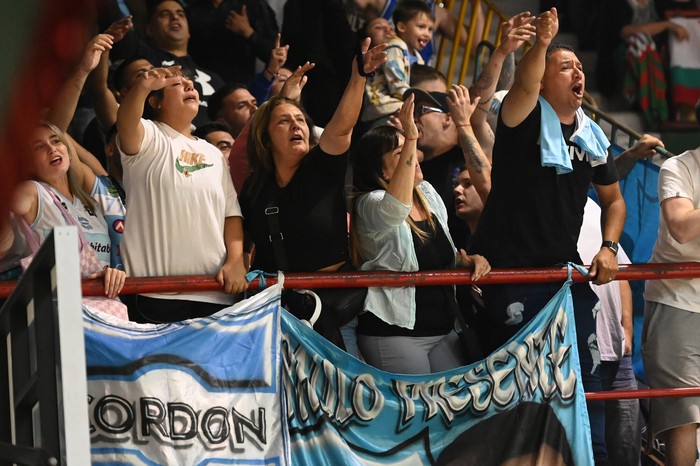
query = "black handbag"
x=339 y=305
x=344 y=303
x=466 y=328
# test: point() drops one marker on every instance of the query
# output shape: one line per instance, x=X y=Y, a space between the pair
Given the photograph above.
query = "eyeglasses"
x=421 y=110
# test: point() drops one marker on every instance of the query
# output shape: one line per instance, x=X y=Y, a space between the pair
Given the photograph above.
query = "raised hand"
x=238 y=23
x=408 y=123
x=547 y=26
x=158 y=78
x=93 y=51
x=278 y=56
x=516 y=31
x=460 y=104
x=371 y=58
x=119 y=28
x=295 y=83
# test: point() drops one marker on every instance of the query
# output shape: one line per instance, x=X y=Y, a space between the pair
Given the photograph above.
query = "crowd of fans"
x=224 y=171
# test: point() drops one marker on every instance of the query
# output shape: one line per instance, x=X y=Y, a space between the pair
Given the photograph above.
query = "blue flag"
x=524 y=401
x=203 y=391
x=234 y=389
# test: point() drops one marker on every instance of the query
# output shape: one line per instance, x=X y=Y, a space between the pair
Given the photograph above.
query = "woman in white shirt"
x=399 y=223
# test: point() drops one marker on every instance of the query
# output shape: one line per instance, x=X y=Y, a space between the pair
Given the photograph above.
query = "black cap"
x=438 y=99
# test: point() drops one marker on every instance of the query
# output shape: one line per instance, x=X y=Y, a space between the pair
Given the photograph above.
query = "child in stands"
x=414 y=24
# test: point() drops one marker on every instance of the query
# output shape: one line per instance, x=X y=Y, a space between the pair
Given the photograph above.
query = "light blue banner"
x=523 y=401
x=210 y=391
x=204 y=391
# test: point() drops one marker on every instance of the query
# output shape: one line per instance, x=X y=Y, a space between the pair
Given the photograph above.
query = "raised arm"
x=522 y=97
x=83 y=173
x=130 y=130
x=479 y=167
x=335 y=139
x=63 y=108
x=402 y=180
x=516 y=31
x=105 y=101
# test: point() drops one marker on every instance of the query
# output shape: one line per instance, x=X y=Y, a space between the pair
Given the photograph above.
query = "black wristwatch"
x=612 y=245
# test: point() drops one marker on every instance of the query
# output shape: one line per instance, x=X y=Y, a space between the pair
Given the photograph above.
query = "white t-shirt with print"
x=180 y=193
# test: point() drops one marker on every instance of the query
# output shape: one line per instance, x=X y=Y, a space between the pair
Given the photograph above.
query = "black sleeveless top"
x=433 y=314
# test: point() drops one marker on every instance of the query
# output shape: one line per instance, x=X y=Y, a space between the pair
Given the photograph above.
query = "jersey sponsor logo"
x=100 y=247
x=192 y=162
x=118 y=225
x=85 y=223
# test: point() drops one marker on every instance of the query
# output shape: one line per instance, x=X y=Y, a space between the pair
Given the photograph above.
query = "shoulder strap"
x=70 y=220
x=29 y=235
x=275 y=235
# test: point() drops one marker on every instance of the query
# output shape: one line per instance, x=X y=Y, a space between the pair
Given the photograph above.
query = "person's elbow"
x=679 y=233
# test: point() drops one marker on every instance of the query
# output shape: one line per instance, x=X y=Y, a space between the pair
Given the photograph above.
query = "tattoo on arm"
x=470 y=147
x=484 y=82
x=409 y=162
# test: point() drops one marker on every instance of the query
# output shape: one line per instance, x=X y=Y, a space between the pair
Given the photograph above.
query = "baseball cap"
x=437 y=99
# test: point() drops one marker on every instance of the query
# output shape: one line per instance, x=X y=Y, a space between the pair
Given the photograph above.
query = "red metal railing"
x=380 y=278
x=439 y=277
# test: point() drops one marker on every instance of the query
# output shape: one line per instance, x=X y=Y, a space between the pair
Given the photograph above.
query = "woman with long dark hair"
x=399 y=222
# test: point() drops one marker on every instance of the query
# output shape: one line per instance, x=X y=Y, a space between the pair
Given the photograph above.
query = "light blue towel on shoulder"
x=553 y=149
